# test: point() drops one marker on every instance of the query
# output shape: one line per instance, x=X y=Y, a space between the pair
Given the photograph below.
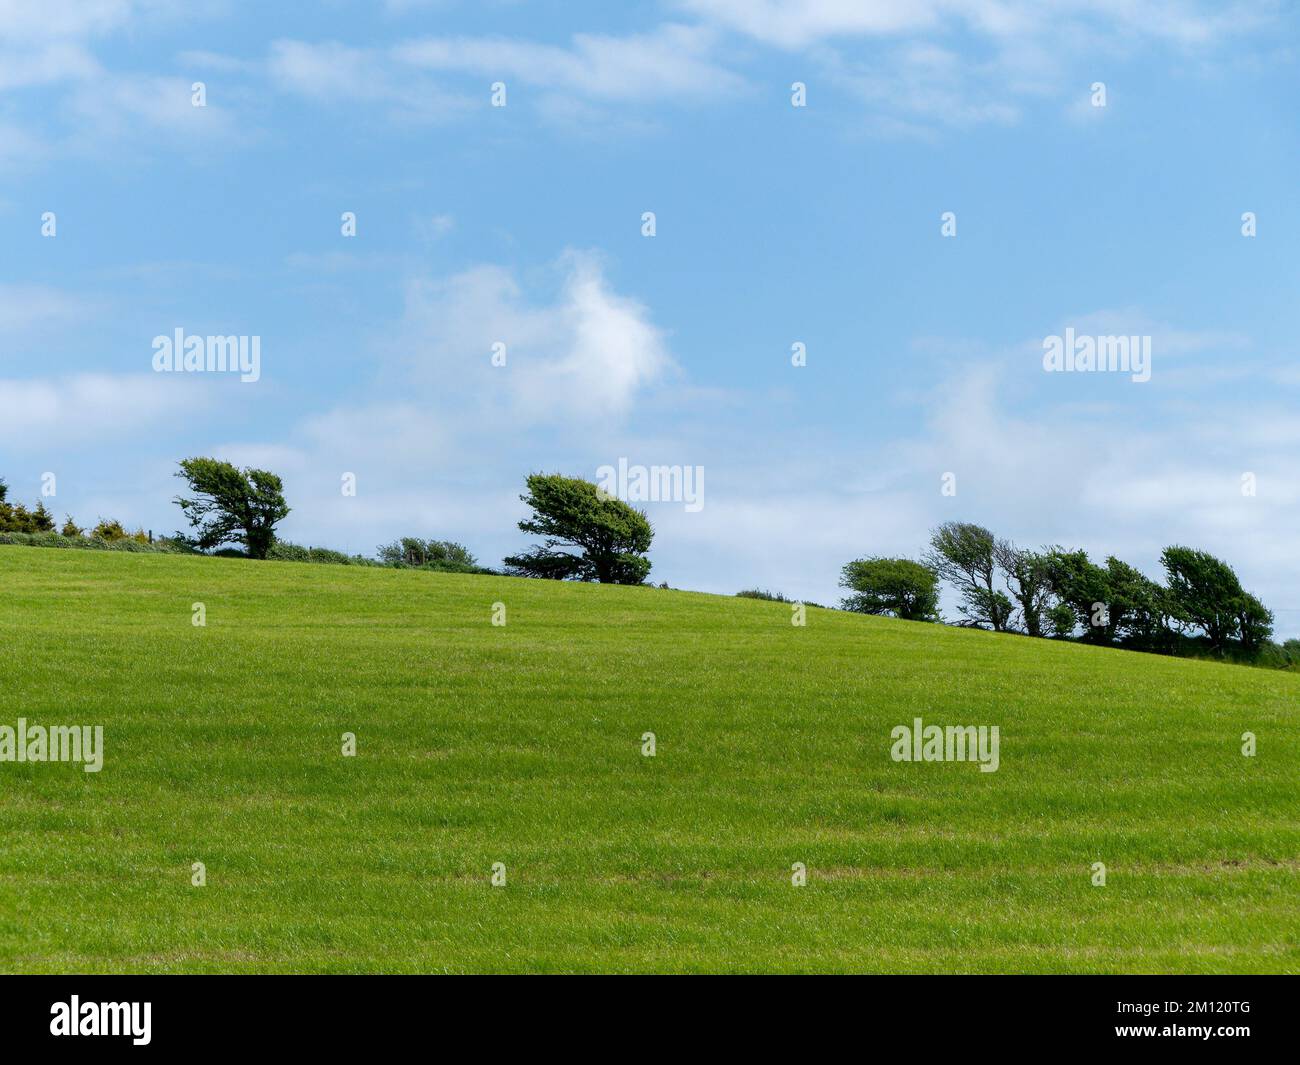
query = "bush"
x=759 y=593
x=86 y=543
x=892 y=587
x=14 y=517
x=285 y=551
x=416 y=553
x=111 y=531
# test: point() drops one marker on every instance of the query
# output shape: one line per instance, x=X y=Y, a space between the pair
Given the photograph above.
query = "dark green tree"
x=612 y=538
x=892 y=587
x=1139 y=608
x=1060 y=621
x=1026 y=576
x=232 y=506
x=1205 y=593
x=1084 y=588
x=1254 y=623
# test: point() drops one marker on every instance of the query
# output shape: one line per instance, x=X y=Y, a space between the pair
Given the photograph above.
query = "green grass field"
x=522 y=745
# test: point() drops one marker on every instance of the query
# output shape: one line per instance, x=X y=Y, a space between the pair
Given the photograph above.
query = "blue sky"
x=774 y=225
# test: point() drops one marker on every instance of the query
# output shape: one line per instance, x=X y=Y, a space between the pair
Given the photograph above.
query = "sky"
x=963 y=180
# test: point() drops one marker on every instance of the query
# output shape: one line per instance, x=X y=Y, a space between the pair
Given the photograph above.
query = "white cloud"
x=585 y=356
x=671 y=61
x=46 y=65
x=796 y=24
x=51 y=412
x=918 y=64
x=116 y=107
x=21 y=20
x=25 y=306
x=337 y=73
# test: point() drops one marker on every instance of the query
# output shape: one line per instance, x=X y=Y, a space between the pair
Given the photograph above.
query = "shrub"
x=86 y=543
x=14 y=517
x=285 y=551
x=892 y=587
x=111 y=530
x=759 y=593
x=416 y=553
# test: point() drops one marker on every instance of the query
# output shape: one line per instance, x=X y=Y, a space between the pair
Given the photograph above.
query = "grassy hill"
x=522 y=745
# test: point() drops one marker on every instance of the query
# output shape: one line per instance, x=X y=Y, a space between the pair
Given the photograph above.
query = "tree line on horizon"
x=1062 y=594
x=589 y=535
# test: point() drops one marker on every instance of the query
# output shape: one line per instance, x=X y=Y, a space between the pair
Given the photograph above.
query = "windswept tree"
x=611 y=537
x=1084 y=588
x=892 y=587
x=1139 y=608
x=963 y=555
x=1026 y=577
x=1254 y=623
x=232 y=506
x=1205 y=593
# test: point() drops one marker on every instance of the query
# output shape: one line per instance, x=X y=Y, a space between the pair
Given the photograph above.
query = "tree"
x=232 y=506
x=892 y=587
x=613 y=537
x=962 y=554
x=1026 y=579
x=1254 y=623
x=1205 y=592
x=1060 y=621
x=429 y=554
x=14 y=517
x=1084 y=588
x=1138 y=608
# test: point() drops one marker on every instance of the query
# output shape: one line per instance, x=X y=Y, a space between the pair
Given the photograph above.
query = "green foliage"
x=964 y=555
x=1254 y=622
x=111 y=530
x=443 y=556
x=1060 y=621
x=71 y=528
x=892 y=587
x=1026 y=576
x=87 y=543
x=568 y=511
x=759 y=593
x=1204 y=592
x=232 y=505
x=16 y=518
x=1138 y=608
x=1084 y=588
x=284 y=551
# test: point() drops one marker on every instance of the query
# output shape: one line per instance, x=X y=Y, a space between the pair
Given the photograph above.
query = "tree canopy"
x=612 y=538
x=892 y=587
x=232 y=506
